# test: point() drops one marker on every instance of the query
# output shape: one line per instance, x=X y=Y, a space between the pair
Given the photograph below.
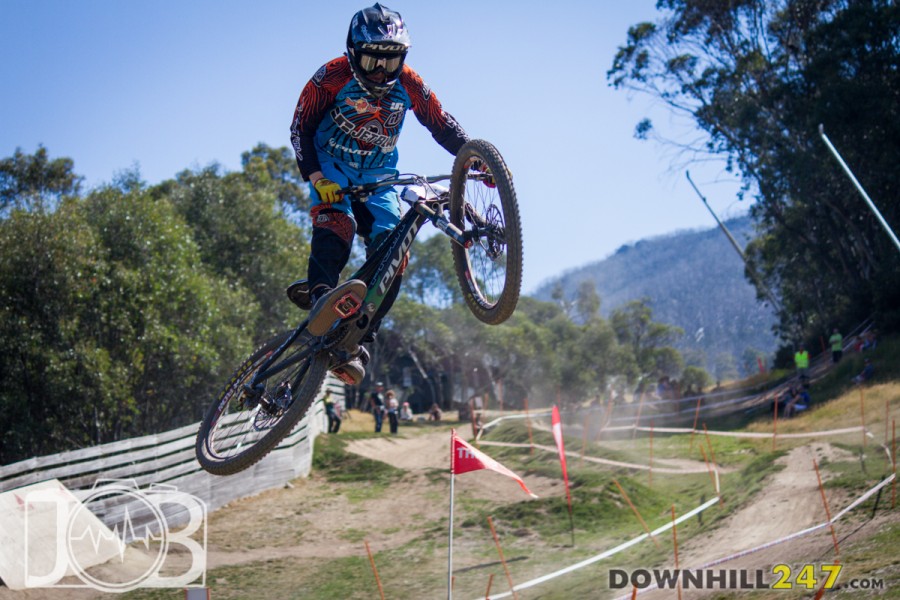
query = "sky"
x=169 y=85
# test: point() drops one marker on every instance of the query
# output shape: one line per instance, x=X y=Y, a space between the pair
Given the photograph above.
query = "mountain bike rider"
x=344 y=132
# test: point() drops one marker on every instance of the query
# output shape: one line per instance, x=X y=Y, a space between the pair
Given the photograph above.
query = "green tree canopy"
x=758 y=77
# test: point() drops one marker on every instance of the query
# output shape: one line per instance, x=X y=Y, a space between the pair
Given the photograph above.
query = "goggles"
x=372 y=62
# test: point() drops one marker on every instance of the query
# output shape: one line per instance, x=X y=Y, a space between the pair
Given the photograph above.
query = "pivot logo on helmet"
x=383 y=47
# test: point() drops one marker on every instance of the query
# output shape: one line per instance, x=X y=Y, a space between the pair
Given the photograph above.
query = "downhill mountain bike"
x=276 y=385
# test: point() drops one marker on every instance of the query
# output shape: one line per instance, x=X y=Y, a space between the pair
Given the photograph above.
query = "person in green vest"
x=801 y=361
x=837 y=346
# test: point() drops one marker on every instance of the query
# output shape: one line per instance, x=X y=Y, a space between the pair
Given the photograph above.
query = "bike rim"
x=487 y=257
x=240 y=424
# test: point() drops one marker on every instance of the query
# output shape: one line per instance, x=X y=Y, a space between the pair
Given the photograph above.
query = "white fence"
x=168 y=458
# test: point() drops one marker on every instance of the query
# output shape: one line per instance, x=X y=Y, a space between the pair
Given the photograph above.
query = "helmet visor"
x=372 y=62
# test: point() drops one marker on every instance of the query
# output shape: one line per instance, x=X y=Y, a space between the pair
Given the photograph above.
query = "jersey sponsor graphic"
x=347 y=150
x=395 y=118
x=366 y=133
x=362 y=106
x=319 y=75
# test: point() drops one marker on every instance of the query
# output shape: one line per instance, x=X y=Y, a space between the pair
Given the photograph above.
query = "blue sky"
x=169 y=85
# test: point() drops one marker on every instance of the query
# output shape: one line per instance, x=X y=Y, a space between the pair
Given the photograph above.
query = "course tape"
x=624 y=546
x=521 y=586
x=603 y=461
x=738 y=434
x=782 y=540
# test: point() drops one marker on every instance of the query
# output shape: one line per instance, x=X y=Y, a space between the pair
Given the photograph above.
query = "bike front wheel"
x=489 y=268
x=245 y=424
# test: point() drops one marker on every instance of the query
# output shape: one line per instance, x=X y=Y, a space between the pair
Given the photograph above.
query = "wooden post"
x=636 y=513
x=374 y=570
x=827 y=510
x=650 y=470
x=502 y=560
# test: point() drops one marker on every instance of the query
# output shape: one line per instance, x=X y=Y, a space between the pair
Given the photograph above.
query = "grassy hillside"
x=308 y=541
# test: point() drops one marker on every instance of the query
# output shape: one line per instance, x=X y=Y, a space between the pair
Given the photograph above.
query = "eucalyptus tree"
x=755 y=78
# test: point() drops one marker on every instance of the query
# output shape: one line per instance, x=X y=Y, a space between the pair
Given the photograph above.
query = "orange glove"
x=329 y=192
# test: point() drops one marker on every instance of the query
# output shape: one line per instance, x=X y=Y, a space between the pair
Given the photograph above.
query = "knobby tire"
x=490 y=294
x=266 y=442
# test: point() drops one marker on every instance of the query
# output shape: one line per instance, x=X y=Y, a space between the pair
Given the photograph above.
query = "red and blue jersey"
x=337 y=120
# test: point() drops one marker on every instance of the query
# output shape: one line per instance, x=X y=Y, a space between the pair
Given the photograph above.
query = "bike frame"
x=379 y=271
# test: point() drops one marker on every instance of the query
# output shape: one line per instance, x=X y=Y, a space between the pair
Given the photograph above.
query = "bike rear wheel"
x=241 y=427
x=490 y=270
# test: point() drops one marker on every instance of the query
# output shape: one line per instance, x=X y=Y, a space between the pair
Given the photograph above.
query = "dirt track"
x=283 y=523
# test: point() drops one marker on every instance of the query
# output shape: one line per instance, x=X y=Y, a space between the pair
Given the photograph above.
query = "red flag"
x=558 y=436
x=464 y=458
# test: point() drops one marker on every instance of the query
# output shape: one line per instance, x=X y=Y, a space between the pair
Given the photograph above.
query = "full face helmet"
x=377 y=43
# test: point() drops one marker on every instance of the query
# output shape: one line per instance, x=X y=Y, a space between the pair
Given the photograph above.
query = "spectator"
x=868 y=340
x=798 y=403
x=393 y=410
x=801 y=361
x=837 y=346
x=866 y=373
x=376 y=405
x=434 y=413
x=406 y=412
x=333 y=412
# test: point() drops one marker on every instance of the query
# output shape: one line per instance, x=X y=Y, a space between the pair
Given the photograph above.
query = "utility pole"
x=737 y=247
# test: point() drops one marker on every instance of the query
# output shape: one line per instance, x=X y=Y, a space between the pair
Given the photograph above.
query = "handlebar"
x=367 y=189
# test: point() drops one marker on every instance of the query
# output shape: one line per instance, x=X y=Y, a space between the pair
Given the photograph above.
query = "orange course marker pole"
x=636 y=513
x=775 y=423
x=862 y=414
x=837 y=552
x=607 y=416
x=675 y=540
x=637 y=420
x=696 y=417
x=584 y=436
x=528 y=423
x=502 y=560
x=712 y=476
x=487 y=594
x=374 y=570
x=887 y=422
x=894 y=462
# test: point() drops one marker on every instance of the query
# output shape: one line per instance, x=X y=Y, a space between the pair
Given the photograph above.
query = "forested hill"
x=694 y=280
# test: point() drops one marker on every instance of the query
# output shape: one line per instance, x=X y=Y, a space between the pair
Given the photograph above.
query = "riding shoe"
x=336 y=304
x=353 y=371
